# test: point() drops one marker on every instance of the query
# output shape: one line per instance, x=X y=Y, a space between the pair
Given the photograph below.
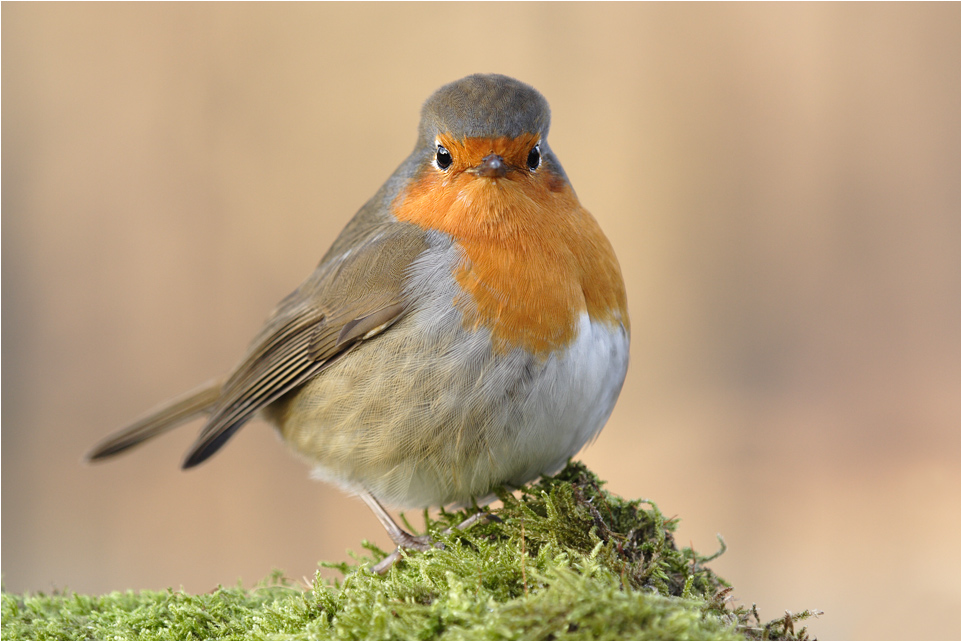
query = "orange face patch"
x=534 y=258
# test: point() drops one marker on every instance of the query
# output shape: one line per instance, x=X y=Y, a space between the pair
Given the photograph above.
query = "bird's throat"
x=534 y=259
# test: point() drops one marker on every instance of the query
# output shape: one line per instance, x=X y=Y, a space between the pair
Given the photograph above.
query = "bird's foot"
x=405 y=540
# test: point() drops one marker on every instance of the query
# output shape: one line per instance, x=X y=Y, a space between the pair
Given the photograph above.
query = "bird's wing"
x=350 y=298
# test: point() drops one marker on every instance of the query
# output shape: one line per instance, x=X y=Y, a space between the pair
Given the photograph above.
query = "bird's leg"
x=404 y=539
x=471 y=521
x=398 y=535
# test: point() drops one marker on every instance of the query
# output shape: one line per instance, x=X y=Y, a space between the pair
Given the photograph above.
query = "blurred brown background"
x=781 y=184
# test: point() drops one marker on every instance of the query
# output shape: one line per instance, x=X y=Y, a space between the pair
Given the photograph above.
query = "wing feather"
x=350 y=299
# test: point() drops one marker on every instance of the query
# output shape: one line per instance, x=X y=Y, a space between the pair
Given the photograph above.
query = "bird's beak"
x=491 y=166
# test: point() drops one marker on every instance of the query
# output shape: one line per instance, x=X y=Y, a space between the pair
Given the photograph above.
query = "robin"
x=468 y=329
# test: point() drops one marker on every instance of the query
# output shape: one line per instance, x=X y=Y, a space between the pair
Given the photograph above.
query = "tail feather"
x=172 y=414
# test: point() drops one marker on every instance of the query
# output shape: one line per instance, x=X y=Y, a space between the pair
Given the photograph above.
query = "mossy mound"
x=562 y=559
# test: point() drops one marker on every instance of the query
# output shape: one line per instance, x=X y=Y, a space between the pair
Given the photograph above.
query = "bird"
x=467 y=330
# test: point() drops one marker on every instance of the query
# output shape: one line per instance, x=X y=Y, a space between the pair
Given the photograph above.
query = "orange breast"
x=535 y=260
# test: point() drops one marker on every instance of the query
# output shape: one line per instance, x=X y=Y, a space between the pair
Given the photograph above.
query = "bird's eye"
x=534 y=157
x=443 y=157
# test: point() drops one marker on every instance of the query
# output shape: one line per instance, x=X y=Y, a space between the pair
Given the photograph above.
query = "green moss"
x=563 y=559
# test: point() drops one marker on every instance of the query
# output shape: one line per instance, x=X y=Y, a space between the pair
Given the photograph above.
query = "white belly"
x=417 y=431
x=569 y=403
